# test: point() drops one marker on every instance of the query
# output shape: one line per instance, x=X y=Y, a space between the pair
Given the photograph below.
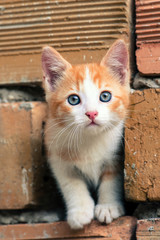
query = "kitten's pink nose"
x=92 y=115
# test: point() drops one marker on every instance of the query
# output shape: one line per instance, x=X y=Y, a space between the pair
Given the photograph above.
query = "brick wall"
x=142 y=153
x=82 y=31
x=148 y=37
x=24 y=179
x=21 y=153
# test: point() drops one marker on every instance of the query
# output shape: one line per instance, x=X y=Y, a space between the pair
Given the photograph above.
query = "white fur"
x=95 y=147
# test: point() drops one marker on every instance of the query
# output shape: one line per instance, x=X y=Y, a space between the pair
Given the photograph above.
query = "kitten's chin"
x=93 y=128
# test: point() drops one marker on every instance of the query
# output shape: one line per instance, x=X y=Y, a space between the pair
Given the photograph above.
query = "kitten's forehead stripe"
x=96 y=74
x=90 y=81
x=78 y=74
x=90 y=90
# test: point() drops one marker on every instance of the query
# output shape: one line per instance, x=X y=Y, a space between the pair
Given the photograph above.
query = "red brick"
x=142 y=152
x=148 y=31
x=148 y=229
x=148 y=58
x=83 y=32
x=20 y=152
x=122 y=228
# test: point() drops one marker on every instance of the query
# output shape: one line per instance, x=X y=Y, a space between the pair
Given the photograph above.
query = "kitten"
x=87 y=107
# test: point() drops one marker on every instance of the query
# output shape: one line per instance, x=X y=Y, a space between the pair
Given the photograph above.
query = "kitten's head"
x=92 y=96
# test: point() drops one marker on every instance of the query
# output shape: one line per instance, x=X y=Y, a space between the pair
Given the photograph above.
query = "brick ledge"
x=122 y=228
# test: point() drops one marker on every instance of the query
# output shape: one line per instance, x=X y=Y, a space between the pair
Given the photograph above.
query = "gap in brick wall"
x=21 y=93
x=30 y=216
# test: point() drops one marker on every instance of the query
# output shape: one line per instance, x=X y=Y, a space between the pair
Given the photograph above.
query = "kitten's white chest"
x=91 y=171
x=92 y=157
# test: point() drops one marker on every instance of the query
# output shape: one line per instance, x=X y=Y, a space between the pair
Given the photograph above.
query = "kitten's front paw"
x=78 y=217
x=105 y=213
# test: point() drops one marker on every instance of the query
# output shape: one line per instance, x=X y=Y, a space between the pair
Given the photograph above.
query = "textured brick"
x=148 y=229
x=148 y=36
x=81 y=30
x=142 y=152
x=20 y=153
x=148 y=59
x=122 y=228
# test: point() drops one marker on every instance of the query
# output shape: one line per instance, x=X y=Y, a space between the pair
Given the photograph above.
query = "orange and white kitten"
x=87 y=106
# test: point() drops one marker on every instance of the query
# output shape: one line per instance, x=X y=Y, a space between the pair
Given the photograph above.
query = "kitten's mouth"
x=93 y=124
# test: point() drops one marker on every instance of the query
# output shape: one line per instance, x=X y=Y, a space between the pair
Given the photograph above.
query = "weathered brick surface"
x=142 y=151
x=20 y=153
x=122 y=228
x=148 y=229
x=148 y=60
x=81 y=30
x=148 y=41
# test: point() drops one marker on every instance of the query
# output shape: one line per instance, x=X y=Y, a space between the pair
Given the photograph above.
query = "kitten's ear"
x=53 y=65
x=116 y=60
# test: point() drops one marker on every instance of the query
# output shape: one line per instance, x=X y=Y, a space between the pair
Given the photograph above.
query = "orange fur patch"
x=112 y=172
x=108 y=174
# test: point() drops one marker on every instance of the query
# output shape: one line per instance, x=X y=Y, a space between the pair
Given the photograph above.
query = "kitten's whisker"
x=76 y=141
x=77 y=137
x=64 y=141
x=133 y=110
x=53 y=125
x=131 y=118
x=47 y=129
x=80 y=134
x=80 y=131
x=63 y=131
x=134 y=128
x=70 y=139
x=117 y=129
x=59 y=134
x=125 y=141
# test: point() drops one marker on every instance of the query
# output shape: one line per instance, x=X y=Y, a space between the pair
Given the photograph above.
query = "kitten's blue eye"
x=105 y=96
x=74 y=99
